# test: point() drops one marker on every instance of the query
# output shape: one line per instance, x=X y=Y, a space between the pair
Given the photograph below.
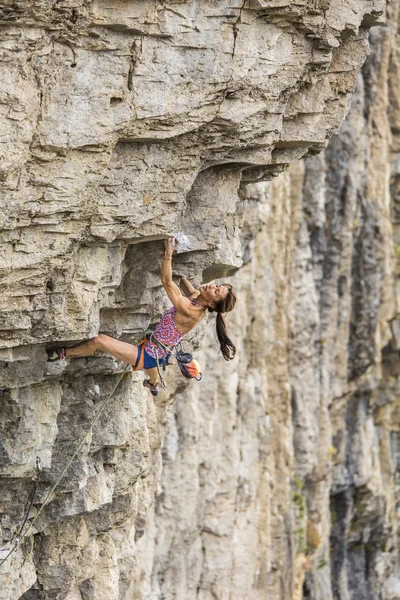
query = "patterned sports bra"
x=167 y=332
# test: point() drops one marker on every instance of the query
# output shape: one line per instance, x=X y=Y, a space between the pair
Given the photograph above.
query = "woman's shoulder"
x=195 y=295
x=189 y=307
x=195 y=305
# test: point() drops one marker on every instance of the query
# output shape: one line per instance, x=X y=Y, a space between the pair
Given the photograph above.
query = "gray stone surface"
x=281 y=480
x=125 y=122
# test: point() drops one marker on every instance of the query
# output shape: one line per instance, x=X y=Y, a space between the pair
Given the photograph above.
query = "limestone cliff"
x=283 y=481
x=123 y=123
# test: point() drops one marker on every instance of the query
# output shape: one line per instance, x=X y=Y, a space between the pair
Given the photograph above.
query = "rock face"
x=281 y=481
x=124 y=123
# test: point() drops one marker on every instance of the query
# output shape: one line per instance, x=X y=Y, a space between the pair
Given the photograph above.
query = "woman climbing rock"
x=187 y=311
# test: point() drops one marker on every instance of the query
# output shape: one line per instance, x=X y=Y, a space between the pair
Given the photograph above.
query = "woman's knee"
x=98 y=342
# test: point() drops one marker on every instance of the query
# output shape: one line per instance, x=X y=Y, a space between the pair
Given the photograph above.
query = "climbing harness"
x=167 y=349
x=22 y=534
x=140 y=364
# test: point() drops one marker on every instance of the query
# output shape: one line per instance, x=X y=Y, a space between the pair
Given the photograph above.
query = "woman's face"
x=213 y=293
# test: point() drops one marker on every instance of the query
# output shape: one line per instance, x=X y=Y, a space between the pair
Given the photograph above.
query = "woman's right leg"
x=153 y=375
x=120 y=350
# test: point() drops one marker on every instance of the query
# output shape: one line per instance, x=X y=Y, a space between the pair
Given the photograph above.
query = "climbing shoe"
x=56 y=354
x=153 y=387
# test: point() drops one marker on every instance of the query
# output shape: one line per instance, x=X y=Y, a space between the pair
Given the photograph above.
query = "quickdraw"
x=168 y=350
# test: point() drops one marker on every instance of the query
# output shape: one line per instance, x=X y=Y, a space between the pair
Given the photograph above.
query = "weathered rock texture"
x=123 y=123
x=282 y=480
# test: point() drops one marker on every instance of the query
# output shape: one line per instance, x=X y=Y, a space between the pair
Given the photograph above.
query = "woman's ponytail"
x=228 y=348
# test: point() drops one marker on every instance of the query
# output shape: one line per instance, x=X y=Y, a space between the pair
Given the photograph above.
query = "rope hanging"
x=22 y=534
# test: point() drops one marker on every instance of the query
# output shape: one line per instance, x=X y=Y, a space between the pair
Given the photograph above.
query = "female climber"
x=187 y=311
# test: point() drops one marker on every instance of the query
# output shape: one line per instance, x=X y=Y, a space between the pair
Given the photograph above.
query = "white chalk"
x=184 y=244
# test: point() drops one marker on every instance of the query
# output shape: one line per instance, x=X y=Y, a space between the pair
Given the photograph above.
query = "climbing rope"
x=22 y=534
x=30 y=501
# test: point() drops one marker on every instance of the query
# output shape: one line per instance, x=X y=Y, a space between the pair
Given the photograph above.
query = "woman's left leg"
x=153 y=375
x=120 y=350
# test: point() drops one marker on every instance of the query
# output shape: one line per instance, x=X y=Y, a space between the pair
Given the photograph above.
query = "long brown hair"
x=225 y=305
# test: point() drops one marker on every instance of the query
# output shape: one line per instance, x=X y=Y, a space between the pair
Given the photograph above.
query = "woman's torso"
x=186 y=323
x=172 y=328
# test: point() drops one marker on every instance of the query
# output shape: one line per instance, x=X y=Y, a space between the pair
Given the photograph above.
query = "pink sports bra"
x=166 y=332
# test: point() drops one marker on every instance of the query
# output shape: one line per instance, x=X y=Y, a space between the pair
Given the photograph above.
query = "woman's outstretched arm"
x=186 y=287
x=181 y=303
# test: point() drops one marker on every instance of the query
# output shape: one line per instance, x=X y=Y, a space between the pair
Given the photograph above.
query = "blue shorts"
x=149 y=361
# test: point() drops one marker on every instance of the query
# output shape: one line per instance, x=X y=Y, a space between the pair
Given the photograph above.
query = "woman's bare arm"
x=186 y=287
x=181 y=303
